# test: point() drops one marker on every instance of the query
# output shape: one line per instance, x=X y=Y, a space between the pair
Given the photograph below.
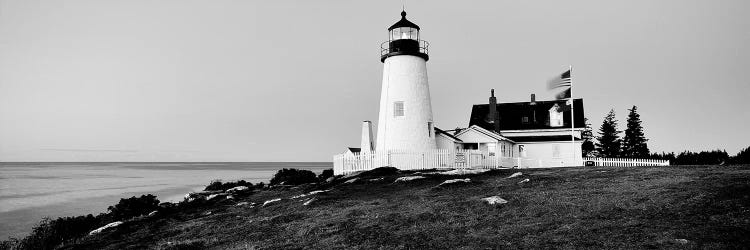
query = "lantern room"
x=403 y=39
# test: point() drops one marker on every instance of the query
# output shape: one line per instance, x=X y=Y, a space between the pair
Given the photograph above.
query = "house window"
x=556 y=151
x=491 y=147
x=555 y=117
x=525 y=120
x=398 y=109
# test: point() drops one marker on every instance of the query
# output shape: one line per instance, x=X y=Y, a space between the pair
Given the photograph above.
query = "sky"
x=221 y=80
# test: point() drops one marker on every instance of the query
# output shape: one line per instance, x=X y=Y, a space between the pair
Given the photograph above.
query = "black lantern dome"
x=403 y=39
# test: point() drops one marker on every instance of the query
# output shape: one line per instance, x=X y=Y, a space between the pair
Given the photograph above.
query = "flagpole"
x=572 y=118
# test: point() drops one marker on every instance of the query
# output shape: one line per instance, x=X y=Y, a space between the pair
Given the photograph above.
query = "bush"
x=217 y=185
x=381 y=171
x=132 y=207
x=291 y=176
x=693 y=158
x=325 y=174
x=48 y=233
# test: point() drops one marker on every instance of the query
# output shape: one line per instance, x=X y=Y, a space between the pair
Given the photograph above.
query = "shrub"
x=325 y=174
x=132 y=207
x=381 y=171
x=694 y=158
x=217 y=185
x=48 y=233
x=291 y=176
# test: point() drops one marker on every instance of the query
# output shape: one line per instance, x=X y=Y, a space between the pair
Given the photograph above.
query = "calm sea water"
x=32 y=191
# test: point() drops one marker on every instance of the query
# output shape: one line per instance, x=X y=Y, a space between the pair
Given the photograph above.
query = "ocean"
x=32 y=191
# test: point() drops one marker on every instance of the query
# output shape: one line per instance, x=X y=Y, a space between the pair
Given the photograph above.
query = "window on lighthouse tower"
x=398 y=109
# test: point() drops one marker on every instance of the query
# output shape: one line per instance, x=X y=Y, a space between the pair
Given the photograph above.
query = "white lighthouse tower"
x=405 y=120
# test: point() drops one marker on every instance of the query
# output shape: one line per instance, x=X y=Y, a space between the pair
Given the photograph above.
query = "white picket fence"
x=623 y=162
x=459 y=159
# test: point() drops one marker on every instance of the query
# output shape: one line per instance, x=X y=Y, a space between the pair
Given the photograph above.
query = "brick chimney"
x=533 y=99
x=494 y=116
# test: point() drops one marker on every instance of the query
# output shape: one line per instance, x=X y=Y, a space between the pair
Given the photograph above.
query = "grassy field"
x=597 y=208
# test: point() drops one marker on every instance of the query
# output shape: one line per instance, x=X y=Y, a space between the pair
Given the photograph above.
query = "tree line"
x=634 y=144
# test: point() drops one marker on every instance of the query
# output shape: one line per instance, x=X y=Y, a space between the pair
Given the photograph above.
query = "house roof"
x=441 y=132
x=486 y=132
x=537 y=114
x=522 y=139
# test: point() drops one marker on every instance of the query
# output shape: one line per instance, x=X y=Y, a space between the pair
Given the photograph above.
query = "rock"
x=152 y=213
x=330 y=179
x=237 y=189
x=448 y=182
x=308 y=202
x=681 y=241
x=351 y=181
x=299 y=196
x=251 y=204
x=464 y=171
x=230 y=197
x=495 y=200
x=207 y=213
x=310 y=193
x=210 y=197
x=524 y=181
x=110 y=225
x=514 y=175
x=270 y=201
x=318 y=191
x=409 y=178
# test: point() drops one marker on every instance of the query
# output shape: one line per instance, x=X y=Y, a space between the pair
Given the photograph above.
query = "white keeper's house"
x=514 y=134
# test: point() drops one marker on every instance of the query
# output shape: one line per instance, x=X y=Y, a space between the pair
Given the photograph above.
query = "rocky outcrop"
x=237 y=189
x=308 y=202
x=105 y=227
x=514 y=175
x=454 y=181
x=270 y=201
x=494 y=200
x=409 y=178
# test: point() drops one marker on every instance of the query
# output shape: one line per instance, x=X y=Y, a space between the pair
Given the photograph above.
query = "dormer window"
x=555 y=116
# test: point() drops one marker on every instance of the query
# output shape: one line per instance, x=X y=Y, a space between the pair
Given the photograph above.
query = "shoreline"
x=168 y=181
x=19 y=222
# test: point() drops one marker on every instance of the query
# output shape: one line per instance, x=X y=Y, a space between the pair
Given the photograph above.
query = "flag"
x=565 y=94
x=561 y=81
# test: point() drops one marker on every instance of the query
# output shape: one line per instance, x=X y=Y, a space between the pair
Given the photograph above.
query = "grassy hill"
x=602 y=207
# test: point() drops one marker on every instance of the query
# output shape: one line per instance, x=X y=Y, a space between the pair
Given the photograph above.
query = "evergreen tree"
x=587 y=148
x=634 y=143
x=609 y=139
x=743 y=157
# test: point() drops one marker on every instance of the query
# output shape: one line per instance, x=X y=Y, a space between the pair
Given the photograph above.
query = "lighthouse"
x=405 y=119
